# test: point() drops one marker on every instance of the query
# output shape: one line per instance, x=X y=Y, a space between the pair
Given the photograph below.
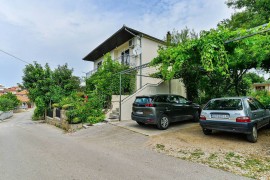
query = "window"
x=125 y=57
x=260 y=87
x=259 y=104
x=161 y=99
x=252 y=104
x=143 y=100
x=224 y=104
x=99 y=64
x=177 y=99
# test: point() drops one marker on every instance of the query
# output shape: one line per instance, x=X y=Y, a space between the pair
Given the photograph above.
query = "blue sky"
x=64 y=31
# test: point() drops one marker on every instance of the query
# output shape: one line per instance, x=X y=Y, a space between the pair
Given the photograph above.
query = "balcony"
x=124 y=59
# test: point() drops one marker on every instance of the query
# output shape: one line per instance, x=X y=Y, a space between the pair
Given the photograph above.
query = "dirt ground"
x=227 y=151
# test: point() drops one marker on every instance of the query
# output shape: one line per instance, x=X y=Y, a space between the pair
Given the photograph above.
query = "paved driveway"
x=30 y=150
x=151 y=130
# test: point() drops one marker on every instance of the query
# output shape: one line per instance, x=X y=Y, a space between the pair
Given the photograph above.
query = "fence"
x=50 y=113
x=58 y=113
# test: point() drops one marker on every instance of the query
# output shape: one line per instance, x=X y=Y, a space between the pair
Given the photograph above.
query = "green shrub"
x=6 y=104
x=82 y=111
x=67 y=106
x=56 y=105
x=262 y=95
x=40 y=109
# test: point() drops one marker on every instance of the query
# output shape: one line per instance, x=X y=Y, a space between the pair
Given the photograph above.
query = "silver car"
x=235 y=114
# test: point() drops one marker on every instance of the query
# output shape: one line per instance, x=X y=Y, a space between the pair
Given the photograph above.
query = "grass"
x=242 y=164
x=160 y=146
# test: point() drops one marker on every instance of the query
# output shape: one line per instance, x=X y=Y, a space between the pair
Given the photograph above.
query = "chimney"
x=169 y=38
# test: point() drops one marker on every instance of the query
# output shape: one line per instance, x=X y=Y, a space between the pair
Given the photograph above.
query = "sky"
x=65 y=31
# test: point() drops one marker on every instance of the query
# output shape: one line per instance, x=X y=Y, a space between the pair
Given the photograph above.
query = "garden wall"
x=5 y=115
x=62 y=121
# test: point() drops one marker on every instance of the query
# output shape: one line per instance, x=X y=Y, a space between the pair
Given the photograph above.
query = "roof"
x=233 y=97
x=23 y=98
x=120 y=37
x=23 y=92
x=259 y=84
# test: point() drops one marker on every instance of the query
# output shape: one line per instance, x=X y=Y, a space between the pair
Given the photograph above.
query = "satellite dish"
x=137 y=50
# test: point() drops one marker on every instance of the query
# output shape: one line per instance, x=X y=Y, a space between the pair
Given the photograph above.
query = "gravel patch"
x=227 y=151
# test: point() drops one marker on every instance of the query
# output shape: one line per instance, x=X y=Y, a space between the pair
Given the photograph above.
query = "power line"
x=14 y=56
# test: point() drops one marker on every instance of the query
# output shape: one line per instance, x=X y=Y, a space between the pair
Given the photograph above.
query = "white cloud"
x=64 y=31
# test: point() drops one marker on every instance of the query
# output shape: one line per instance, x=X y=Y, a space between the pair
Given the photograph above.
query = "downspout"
x=140 y=38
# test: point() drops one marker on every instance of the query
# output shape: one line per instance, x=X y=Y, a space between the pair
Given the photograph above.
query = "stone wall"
x=62 y=122
x=5 y=115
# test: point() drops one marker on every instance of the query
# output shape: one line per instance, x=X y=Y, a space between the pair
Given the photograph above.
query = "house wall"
x=149 y=52
x=266 y=86
x=115 y=54
x=172 y=87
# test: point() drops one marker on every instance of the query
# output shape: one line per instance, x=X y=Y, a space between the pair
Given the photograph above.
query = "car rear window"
x=224 y=104
x=143 y=100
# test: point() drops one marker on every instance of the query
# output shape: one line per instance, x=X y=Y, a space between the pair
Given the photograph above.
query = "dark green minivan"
x=162 y=109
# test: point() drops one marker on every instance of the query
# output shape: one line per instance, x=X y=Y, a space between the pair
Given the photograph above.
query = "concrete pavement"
x=30 y=150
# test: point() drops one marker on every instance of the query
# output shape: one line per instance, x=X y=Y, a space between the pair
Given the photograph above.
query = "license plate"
x=139 y=112
x=220 y=116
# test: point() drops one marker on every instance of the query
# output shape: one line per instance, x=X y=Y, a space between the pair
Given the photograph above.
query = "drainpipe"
x=140 y=63
x=120 y=89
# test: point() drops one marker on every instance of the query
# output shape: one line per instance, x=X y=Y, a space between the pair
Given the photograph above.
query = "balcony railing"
x=125 y=59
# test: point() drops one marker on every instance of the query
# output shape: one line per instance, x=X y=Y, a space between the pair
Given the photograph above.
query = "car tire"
x=196 y=116
x=163 y=122
x=140 y=123
x=207 y=131
x=253 y=136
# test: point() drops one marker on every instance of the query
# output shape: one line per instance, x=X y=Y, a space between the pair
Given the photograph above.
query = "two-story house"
x=134 y=48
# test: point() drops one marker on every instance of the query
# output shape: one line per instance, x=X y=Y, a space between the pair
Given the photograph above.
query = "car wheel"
x=253 y=136
x=140 y=123
x=196 y=116
x=163 y=122
x=207 y=131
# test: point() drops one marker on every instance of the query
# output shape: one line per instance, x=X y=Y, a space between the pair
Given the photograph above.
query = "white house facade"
x=134 y=48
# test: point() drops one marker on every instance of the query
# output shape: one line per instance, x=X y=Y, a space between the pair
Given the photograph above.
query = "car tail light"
x=149 y=105
x=202 y=117
x=243 y=119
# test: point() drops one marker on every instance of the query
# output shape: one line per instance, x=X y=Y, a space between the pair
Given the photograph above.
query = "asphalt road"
x=36 y=151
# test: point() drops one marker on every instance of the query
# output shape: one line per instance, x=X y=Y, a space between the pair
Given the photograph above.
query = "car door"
x=264 y=119
x=256 y=112
x=162 y=105
x=181 y=109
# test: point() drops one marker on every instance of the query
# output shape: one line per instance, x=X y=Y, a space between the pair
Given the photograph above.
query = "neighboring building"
x=261 y=86
x=2 y=88
x=134 y=48
x=22 y=96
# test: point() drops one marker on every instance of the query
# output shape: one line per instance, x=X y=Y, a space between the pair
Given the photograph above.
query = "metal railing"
x=58 y=112
x=124 y=59
x=50 y=113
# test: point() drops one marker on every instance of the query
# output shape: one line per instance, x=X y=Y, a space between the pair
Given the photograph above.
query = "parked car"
x=235 y=114
x=162 y=109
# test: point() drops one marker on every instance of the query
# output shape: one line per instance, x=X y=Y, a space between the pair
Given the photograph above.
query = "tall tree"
x=218 y=66
x=251 y=13
x=46 y=86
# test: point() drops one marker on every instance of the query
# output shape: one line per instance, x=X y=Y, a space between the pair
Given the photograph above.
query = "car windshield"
x=143 y=100
x=224 y=104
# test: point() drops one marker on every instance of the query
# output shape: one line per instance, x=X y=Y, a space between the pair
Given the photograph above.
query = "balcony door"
x=125 y=57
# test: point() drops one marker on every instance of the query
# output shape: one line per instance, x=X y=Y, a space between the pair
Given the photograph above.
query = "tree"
x=46 y=86
x=106 y=80
x=218 y=64
x=63 y=83
x=8 y=102
x=253 y=13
